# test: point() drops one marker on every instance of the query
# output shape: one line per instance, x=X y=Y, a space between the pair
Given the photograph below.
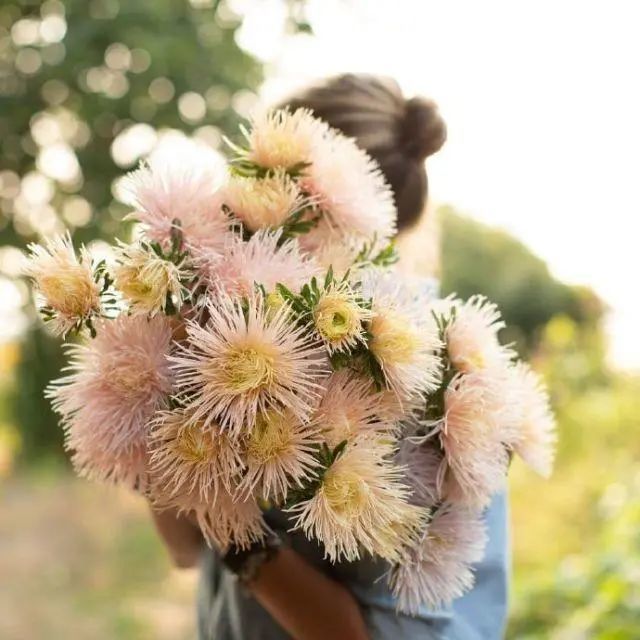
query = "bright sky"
x=543 y=106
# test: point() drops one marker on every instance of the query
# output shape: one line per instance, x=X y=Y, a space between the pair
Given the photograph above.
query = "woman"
x=285 y=589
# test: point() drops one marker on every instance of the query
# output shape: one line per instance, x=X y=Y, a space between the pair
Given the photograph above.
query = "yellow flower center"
x=196 y=444
x=70 y=291
x=271 y=436
x=393 y=339
x=346 y=492
x=336 y=317
x=147 y=284
x=249 y=368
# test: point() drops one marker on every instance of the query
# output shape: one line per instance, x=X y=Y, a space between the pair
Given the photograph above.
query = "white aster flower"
x=188 y=457
x=361 y=503
x=351 y=408
x=262 y=260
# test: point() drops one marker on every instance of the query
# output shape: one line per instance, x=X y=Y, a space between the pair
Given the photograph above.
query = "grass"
x=80 y=561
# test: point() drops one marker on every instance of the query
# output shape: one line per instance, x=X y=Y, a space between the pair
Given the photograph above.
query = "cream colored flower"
x=65 y=282
x=189 y=457
x=263 y=202
x=147 y=281
x=362 y=504
x=279 y=454
x=281 y=139
x=338 y=318
x=403 y=338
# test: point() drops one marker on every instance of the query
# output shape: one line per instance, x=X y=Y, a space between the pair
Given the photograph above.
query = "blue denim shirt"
x=226 y=612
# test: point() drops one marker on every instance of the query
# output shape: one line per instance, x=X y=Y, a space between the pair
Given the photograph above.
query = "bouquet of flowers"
x=254 y=348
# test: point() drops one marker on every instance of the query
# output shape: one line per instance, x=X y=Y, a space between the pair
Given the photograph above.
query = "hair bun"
x=423 y=131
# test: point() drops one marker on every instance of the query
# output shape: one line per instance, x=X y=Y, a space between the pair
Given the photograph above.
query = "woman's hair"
x=399 y=134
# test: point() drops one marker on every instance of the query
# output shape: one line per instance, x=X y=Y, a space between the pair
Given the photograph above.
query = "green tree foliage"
x=479 y=259
x=77 y=80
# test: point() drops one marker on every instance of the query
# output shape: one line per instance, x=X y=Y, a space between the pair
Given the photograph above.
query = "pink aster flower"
x=245 y=361
x=124 y=466
x=187 y=456
x=64 y=282
x=472 y=336
x=439 y=568
x=479 y=418
x=261 y=260
x=404 y=339
x=350 y=188
x=425 y=467
x=279 y=454
x=534 y=437
x=351 y=408
x=116 y=383
x=180 y=181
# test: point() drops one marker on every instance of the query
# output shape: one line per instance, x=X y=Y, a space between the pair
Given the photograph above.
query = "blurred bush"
x=477 y=258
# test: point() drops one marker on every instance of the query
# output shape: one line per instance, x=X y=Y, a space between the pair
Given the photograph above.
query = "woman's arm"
x=302 y=600
x=305 y=602
x=180 y=535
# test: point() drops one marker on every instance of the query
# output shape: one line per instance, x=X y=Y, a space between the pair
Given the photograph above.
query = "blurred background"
x=537 y=203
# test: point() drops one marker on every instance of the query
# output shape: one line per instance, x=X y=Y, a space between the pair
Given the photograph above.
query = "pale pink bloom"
x=439 y=569
x=229 y=519
x=188 y=457
x=336 y=252
x=261 y=260
x=283 y=140
x=116 y=383
x=350 y=189
x=265 y=202
x=479 y=418
x=472 y=336
x=180 y=181
x=279 y=454
x=351 y=408
x=246 y=361
x=126 y=467
x=425 y=467
x=404 y=339
x=535 y=436
x=361 y=504
x=65 y=283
